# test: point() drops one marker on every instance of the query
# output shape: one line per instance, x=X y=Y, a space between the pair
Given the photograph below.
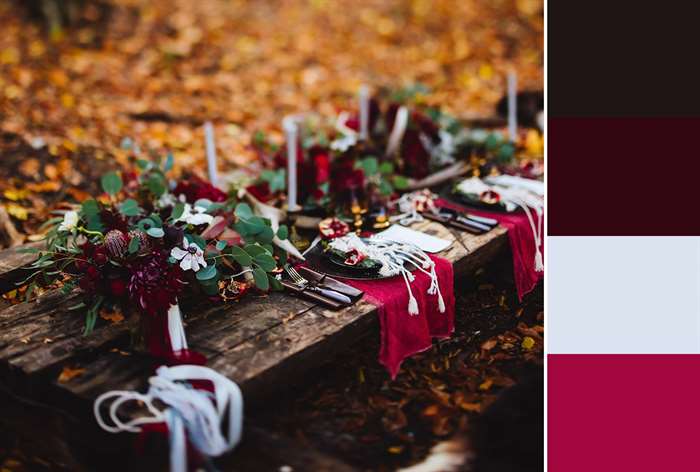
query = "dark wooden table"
x=263 y=343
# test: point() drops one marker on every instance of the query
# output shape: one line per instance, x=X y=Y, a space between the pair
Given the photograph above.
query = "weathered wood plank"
x=264 y=343
x=13 y=263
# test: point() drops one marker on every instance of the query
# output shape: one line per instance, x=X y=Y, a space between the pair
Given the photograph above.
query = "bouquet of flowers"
x=148 y=240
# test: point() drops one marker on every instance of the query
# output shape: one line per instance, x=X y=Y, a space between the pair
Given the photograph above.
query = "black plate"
x=474 y=202
x=338 y=260
x=317 y=259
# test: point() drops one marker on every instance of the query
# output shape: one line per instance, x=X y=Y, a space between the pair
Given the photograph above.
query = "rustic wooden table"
x=263 y=343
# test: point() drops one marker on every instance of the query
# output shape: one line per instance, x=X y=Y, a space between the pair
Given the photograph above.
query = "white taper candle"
x=364 y=112
x=291 y=133
x=512 y=106
x=211 y=152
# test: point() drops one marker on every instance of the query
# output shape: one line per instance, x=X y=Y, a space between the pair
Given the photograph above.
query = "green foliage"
x=276 y=179
x=111 y=183
x=134 y=244
x=260 y=278
x=129 y=207
x=209 y=272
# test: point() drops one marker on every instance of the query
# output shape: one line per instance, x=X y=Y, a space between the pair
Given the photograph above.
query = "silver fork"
x=305 y=284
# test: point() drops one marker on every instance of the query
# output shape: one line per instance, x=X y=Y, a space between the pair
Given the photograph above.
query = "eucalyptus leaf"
x=145 y=224
x=241 y=256
x=283 y=232
x=243 y=211
x=198 y=240
x=209 y=272
x=90 y=207
x=111 y=183
x=266 y=235
x=221 y=245
x=134 y=245
x=274 y=283
x=254 y=249
x=400 y=182
x=386 y=168
x=156 y=184
x=178 y=210
x=260 y=278
x=266 y=261
x=129 y=207
x=155 y=232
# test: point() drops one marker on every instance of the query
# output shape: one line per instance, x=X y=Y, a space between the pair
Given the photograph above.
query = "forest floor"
x=152 y=71
x=357 y=413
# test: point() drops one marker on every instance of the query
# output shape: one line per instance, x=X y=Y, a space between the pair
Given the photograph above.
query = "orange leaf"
x=68 y=373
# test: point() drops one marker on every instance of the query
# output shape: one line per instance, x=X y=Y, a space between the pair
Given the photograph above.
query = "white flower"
x=70 y=221
x=348 y=135
x=166 y=200
x=344 y=143
x=190 y=257
x=196 y=217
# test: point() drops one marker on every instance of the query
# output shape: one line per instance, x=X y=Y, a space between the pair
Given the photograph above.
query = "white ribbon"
x=178 y=341
x=188 y=409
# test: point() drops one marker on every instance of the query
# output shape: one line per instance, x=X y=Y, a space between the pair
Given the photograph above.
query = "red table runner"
x=403 y=334
x=522 y=243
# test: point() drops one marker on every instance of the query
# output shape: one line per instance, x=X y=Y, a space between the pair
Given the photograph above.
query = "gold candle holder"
x=357 y=213
x=295 y=238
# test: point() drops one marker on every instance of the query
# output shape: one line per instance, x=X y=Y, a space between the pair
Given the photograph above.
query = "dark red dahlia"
x=196 y=188
x=154 y=284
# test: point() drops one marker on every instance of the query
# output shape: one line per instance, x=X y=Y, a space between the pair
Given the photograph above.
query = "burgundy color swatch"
x=623 y=176
x=623 y=412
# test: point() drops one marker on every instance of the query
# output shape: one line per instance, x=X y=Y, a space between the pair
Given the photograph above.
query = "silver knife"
x=482 y=219
x=475 y=224
x=333 y=295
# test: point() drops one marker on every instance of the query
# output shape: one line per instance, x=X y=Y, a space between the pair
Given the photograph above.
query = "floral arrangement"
x=148 y=240
x=405 y=140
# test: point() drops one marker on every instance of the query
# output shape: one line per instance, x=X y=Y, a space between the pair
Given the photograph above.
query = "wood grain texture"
x=13 y=263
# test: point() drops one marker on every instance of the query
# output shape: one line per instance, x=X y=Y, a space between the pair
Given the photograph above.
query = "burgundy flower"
x=415 y=157
x=344 y=176
x=114 y=220
x=195 y=188
x=260 y=191
x=116 y=243
x=154 y=284
x=321 y=162
x=426 y=126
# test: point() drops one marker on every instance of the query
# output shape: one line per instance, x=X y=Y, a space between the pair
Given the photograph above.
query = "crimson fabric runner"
x=403 y=334
x=522 y=244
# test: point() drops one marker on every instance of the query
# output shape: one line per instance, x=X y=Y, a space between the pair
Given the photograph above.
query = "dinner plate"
x=317 y=259
x=475 y=202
